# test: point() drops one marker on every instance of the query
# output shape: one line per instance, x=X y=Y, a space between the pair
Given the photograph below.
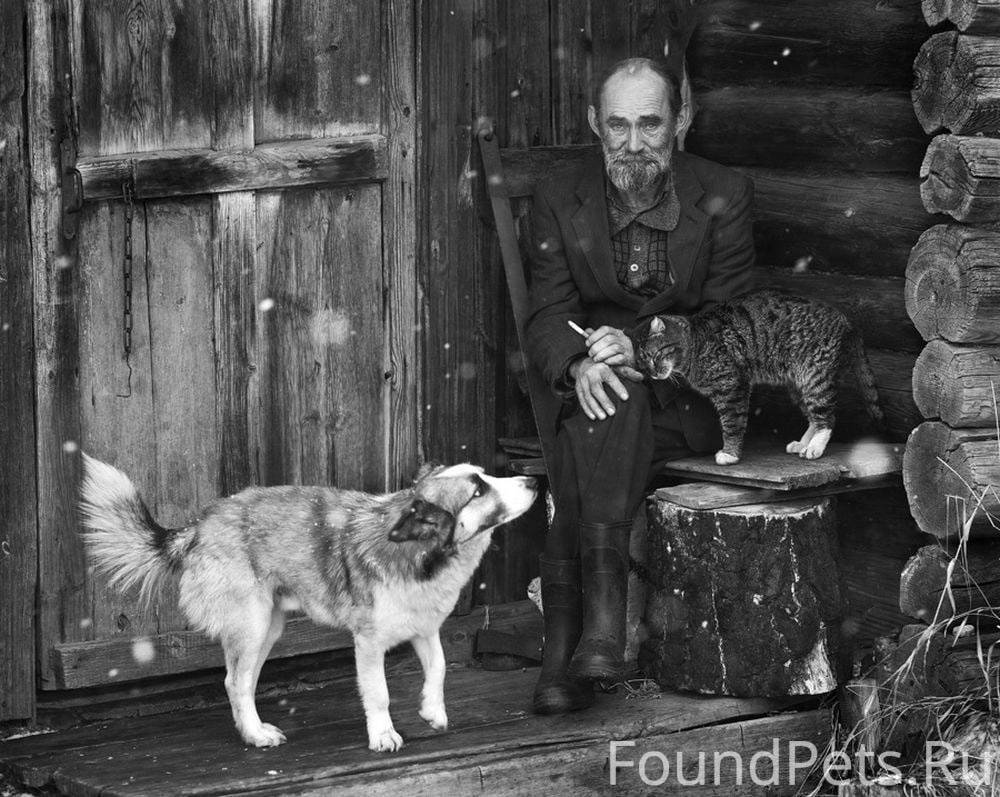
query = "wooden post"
x=746 y=600
x=969 y=16
x=958 y=384
x=18 y=531
x=960 y=176
x=953 y=284
x=954 y=85
x=950 y=477
x=973 y=581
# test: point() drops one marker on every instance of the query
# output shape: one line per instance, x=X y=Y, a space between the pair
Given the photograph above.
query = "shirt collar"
x=663 y=214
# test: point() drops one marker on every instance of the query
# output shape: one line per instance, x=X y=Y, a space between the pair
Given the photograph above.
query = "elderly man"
x=647 y=229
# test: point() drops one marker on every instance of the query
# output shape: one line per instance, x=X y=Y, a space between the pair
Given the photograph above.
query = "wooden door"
x=238 y=303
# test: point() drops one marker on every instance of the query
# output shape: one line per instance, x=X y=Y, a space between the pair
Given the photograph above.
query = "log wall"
x=812 y=100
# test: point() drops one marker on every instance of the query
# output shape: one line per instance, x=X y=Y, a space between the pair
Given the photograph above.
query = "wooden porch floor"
x=495 y=745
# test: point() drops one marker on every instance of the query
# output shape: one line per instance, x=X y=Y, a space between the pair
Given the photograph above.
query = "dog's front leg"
x=431 y=657
x=369 y=656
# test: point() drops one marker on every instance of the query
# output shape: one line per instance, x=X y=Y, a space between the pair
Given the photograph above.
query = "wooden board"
x=772 y=468
x=18 y=539
x=716 y=495
x=492 y=735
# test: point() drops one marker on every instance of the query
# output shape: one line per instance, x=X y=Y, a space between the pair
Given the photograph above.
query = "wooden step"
x=494 y=745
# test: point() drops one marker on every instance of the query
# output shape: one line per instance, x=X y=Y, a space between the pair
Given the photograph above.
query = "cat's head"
x=664 y=350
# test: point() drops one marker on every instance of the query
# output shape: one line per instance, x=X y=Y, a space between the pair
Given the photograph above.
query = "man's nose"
x=635 y=142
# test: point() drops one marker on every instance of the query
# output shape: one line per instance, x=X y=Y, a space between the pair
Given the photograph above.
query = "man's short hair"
x=657 y=67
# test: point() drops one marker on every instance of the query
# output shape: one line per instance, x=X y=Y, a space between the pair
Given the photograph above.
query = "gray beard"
x=635 y=173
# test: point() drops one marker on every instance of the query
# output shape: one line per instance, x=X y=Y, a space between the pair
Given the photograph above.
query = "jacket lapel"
x=590 y=221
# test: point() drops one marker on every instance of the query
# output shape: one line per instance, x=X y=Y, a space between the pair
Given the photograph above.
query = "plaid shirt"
x=639 y=240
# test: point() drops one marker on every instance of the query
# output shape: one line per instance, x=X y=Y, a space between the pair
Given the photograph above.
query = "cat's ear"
x=657 y=326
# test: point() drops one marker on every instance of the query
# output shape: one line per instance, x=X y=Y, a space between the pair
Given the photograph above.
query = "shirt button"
x=634 y=267
x=637 y=248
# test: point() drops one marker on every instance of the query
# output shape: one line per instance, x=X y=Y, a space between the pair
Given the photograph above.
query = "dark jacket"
x=573 y=277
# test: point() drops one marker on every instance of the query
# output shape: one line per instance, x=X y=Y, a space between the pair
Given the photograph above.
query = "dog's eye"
x=478 y=492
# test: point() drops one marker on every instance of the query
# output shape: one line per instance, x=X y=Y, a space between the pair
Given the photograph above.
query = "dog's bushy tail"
x=123 y=540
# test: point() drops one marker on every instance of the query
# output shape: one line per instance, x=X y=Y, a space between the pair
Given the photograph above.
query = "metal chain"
x=128 y=195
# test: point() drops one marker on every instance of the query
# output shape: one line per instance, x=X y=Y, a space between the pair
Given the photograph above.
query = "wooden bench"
x=753 y=544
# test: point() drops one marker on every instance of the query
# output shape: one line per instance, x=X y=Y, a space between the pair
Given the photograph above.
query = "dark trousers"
x=602 y=468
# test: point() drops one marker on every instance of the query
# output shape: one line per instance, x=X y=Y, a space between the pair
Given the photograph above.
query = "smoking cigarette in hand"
x=577 y=329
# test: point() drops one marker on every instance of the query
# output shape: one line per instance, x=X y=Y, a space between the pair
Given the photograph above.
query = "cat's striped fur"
x=762 y=338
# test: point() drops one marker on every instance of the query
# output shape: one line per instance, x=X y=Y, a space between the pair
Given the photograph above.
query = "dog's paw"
x=265 y=735
x=794 y=447
x=435 y=716
x=385 y=741
x=722 y=458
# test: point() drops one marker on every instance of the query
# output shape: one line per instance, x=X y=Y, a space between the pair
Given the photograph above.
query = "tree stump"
x=960 y=176
x=974 y=582
x=950 y=477
x=955 y=87
x=953 y=284
x=969 y=16
x=958 y=384
x=746 y=600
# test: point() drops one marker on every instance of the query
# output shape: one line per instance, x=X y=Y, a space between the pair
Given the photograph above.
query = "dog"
x=388 y=568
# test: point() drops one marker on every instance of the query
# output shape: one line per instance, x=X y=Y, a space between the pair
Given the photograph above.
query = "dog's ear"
x=427 y=469
x=423 y=521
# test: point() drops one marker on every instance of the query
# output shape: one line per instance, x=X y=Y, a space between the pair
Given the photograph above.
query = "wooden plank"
x=953 y=284
x=286 y=164
x=958 y=384
x=62 y=600
x=400 y=408
x=319 y=73
x=321 y=350
x=979 y=17
x=960 y=176
x=768 y=466
x=713 y=495
x=950 y=477
x=144 y=80
x=953 y=84
x=850 y=129
x=853 y=43
x=18 y=539
x=197 y=752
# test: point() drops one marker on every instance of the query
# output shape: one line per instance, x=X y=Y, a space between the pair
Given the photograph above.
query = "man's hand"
x=610 y=345
x=591 y=379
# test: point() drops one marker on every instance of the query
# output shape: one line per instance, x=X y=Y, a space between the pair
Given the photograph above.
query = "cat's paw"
x=723 y=458
x=814 y=448
x=794 y=447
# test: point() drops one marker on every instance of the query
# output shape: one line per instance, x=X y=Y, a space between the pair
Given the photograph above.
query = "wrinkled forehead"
x=633 y=94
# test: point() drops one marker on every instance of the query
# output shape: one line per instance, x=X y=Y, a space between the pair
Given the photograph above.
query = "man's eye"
x=616 y=126
x=650 y=127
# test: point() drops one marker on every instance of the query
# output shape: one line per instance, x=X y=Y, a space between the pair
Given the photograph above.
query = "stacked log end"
x=951 y=469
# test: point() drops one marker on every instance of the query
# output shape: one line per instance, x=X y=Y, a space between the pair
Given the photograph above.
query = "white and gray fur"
x=388 y=568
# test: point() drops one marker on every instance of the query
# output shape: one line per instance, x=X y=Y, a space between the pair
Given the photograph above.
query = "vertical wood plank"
x=62 y=599
x=321 y=349
x=318 y=72
x=399 y=239
x=18 y=530
x=145 y=75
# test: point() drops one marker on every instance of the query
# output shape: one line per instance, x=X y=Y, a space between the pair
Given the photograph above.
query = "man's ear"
x=423 y=521
x=592 y=118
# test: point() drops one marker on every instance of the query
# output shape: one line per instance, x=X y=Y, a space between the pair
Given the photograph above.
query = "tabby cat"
x=762 y=338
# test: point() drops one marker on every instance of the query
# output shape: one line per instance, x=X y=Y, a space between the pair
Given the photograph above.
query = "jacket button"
x=634 y=267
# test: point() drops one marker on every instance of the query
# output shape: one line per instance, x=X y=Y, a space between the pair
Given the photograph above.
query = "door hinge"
x=72 y=189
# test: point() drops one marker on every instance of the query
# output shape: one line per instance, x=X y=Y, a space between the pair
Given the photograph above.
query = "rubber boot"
x=600 y=654
x=555 y=693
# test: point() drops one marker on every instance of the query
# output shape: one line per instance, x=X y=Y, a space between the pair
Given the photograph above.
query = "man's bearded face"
x=637 y=130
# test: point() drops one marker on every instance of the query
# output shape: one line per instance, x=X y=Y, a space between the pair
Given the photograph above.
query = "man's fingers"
x=599 y=333
x=603 y=399
x=602 y=350
x=629 y=373
x=616 y=384
x=612 y=358
x=583 y=396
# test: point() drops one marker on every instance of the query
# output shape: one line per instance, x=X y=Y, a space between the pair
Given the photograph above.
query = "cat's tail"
x=862 y=371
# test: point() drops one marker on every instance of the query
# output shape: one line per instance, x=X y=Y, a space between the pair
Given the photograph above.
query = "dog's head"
x=453 y=504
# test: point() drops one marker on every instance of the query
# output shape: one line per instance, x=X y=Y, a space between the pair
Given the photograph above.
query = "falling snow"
x=755 y=25
x=143 y=650
x=70 y=446
x=802 y=264
x=849 y=212
x=266 y=305
x=786 y=52
x=363 y=79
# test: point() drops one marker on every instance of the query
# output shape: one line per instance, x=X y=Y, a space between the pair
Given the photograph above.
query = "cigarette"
x=577 y=329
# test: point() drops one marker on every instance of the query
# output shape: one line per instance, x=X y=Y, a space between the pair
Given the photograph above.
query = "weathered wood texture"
x=944 y=664
x=497 y=745
x=286 y=164
x=745 y=600
x=871 y=131
x=953 y=284
x=18 y=531
x=937 y=584
x=955 y=87
x=950 y=477
x=958 y=384
x=960 y=176
x=981 y=17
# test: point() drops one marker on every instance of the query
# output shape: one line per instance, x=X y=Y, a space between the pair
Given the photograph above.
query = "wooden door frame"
x=52 y=135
